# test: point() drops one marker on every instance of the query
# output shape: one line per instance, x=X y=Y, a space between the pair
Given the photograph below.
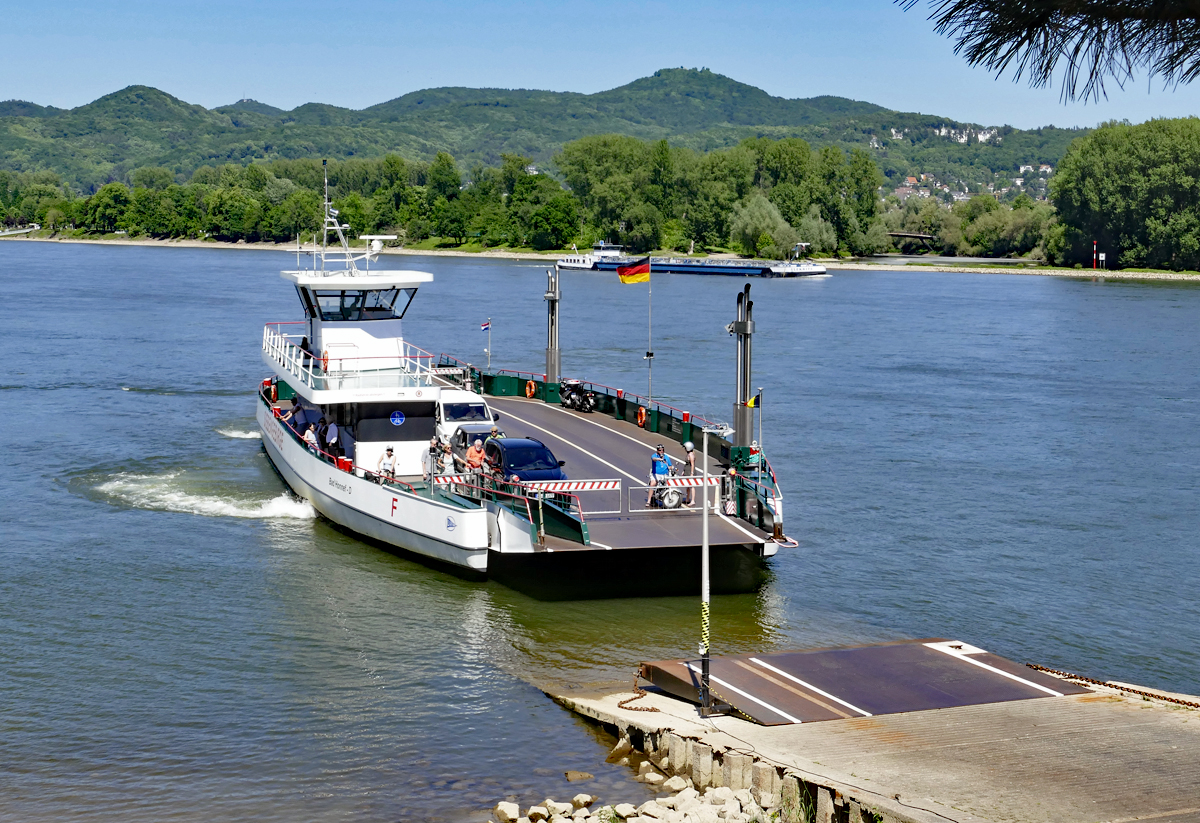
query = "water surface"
x=1003 y=459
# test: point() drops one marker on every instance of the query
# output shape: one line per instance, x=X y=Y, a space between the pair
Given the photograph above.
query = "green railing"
x=657 y=417
x=756 y=492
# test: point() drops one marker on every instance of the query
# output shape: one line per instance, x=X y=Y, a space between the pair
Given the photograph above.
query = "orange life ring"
x=274 y=393
x=530 y=389
x=641 y=417
x=325 y=360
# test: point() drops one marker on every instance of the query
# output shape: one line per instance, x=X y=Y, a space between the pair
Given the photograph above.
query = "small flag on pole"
x=755 y=401
x=486 y=325
x=636 y=272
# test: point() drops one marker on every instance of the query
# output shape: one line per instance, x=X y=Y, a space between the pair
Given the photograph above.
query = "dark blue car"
x=523 y=458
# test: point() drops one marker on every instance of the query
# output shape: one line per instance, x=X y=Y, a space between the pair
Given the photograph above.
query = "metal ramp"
x=862 y=681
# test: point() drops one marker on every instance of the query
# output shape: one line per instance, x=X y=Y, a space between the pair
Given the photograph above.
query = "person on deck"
x=689 y=469
x=386 y=467
x=660 y=469
x=495 y=435
x=475 y=456
x=310 y=437
x=297 y=410
x=332 y=445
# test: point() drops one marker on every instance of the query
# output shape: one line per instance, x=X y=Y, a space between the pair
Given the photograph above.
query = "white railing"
x=412 y=368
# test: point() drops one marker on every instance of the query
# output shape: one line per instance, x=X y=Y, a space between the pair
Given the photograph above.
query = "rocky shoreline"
x=759 y=796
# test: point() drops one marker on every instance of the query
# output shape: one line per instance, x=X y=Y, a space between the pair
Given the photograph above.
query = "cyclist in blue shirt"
x=660 y=468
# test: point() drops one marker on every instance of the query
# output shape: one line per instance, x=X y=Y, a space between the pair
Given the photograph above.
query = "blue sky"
x=356 y=54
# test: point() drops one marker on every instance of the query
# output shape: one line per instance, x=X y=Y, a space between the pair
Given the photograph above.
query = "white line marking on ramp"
x=747 y=695
x=810 y=687
x=961 y=654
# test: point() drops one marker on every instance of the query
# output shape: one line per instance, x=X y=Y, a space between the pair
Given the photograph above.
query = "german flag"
x=636 y=272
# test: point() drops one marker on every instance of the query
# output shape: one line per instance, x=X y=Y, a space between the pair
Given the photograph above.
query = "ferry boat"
x=603 y=256
x=609 y=257
x=347 y=361
x=737 y=268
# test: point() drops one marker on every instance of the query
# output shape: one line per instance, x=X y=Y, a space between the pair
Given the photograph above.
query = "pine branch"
x=1089 y=41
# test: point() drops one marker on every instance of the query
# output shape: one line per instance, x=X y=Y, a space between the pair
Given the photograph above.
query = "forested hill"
x=140 y=126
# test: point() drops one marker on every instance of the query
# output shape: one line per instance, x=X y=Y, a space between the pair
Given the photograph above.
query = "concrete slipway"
x=1103 y=756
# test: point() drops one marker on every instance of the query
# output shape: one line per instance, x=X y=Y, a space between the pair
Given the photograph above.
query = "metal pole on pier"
x=649 y=334
x=706 y=704
x=705 y=694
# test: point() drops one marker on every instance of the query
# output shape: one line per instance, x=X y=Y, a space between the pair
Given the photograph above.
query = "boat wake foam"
x=165 y=492
x=238 y=434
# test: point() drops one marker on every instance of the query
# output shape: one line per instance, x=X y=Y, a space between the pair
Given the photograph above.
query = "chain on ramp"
x=1094 y=682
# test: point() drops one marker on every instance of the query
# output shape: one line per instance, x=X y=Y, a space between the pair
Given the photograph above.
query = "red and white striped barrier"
x=446 y=370
x=691 y=481
x=575 y=485
x=446 y=480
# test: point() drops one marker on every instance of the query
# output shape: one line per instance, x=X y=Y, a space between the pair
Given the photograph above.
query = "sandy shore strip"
x=501 y=254
x=1047 y=271
x=283 y=247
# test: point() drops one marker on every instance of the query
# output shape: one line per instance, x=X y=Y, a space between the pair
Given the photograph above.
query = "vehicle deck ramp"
x=862 y=681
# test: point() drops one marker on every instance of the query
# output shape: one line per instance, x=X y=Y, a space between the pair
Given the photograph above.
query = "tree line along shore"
x=1123 y=190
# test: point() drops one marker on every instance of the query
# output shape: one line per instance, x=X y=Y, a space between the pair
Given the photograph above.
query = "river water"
x=1003 y=459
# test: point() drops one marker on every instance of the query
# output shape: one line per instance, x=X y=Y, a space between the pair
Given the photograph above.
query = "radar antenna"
x=344 y=254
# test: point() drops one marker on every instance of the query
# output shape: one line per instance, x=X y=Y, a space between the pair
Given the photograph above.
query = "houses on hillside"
x=1031 y=179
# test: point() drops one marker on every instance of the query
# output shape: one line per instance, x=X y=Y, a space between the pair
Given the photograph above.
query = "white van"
x=456 y=407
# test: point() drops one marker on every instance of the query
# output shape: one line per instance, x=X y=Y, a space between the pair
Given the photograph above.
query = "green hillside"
x=139 y=126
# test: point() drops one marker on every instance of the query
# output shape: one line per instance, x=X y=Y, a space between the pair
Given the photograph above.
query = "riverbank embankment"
x=1110 y=755
x=500 y=254
x=504 y=254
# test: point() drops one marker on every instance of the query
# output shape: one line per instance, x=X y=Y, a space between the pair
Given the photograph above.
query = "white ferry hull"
x=447 y=534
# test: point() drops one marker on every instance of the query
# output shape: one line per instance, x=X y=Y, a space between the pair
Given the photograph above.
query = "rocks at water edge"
x=720 y=805
x=674 y=784
x=558 y=809
x=620 y=751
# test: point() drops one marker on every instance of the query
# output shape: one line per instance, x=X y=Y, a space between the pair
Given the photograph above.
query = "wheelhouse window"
x=456 y=412
x=359 y=304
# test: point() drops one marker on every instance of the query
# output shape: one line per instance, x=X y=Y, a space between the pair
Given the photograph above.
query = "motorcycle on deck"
x=572 y=395
x=666 y=497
